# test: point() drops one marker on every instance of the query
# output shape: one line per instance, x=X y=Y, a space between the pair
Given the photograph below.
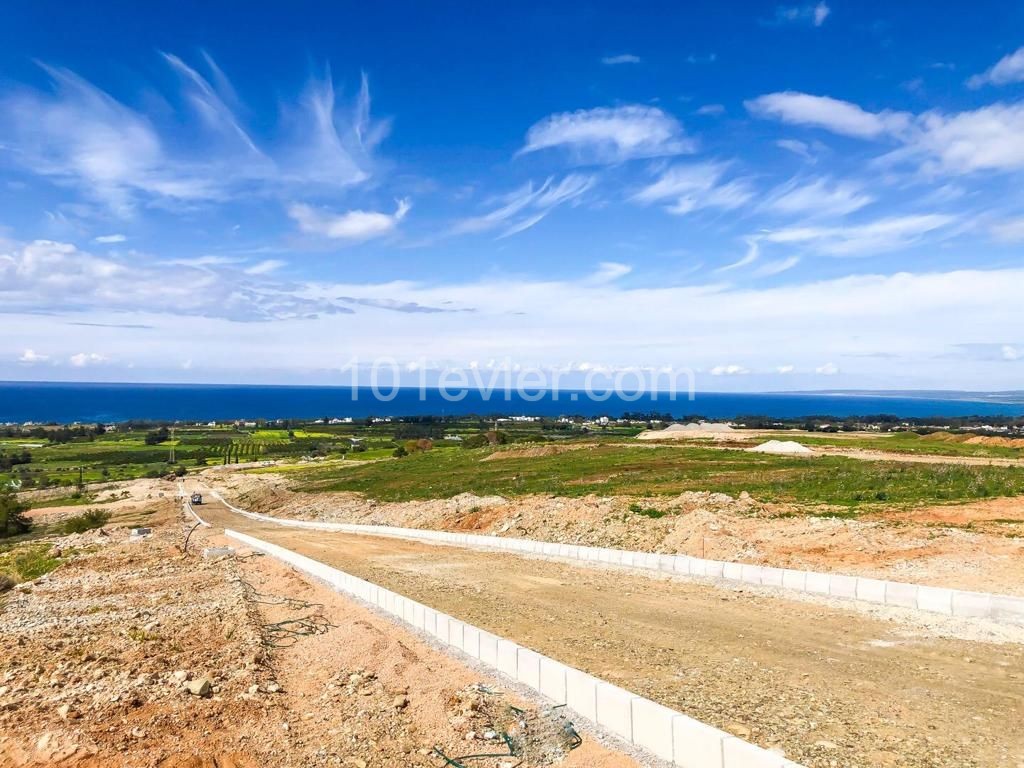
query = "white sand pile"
x=782 y=447
x=703 y=429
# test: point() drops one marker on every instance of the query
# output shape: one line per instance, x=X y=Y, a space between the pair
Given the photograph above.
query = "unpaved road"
x=829 y=686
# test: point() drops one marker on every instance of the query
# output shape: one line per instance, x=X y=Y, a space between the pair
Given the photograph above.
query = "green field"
x=903 y=442
x=611 y=469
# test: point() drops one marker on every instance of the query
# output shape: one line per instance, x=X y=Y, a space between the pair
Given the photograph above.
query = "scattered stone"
x=200 y=687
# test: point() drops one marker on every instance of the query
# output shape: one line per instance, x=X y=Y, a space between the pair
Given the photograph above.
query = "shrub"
x=654 y=514
x=87 y=521
x=399 y=452
x=12 y=515
x=6 y=583
x=33 y=562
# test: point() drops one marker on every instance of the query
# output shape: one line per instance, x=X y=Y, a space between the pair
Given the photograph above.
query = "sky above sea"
x=763 y=196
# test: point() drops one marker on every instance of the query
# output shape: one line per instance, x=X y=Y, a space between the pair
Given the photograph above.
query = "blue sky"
x=774 y=196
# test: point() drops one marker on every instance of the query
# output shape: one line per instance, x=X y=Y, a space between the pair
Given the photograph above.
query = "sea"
x=65 y=403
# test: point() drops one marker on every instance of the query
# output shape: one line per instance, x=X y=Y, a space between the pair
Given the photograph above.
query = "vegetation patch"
x=87 y=521
x=615 y=469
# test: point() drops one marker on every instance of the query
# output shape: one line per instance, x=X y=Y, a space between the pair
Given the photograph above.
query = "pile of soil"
x=782 y=448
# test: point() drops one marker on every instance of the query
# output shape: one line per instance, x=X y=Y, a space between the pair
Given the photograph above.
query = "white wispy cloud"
x=731 y=369
x=83 y=359
x=842 y=117
x=1009 y=69
x=777 y=267
x=985 y=139
x=796 y=147
x=353 y=226
x=265 y=267
x=608 y=272
x=622 y=58
x=46 y=276
x=712 y=110
x=819 y=198
x=878 y=236
x=611 y=134
x=828 y=369
x=1009 y=230
x=31 y=357
x=810 y=13
x=690 y=187
x=106 y=239
x=78 y=135
x=527 y=206
x=910 y=318
x=752 y=254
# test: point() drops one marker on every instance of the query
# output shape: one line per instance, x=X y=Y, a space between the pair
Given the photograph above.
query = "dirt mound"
x=693 y=430
x=782 y=448
x=536 y=451
x=998 y=442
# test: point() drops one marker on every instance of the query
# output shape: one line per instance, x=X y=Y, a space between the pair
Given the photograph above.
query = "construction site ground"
x=132 y=654
x=827 y=683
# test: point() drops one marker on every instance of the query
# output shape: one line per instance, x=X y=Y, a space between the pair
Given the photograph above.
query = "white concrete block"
x=552 y=679
x=627 y=558
x=1008 y=608
x=696 y=745
x=430 y=621
x=972 y=604
x=935 y=599
x=441 y=622
x=488 y=649
x=682 y=564
x=652 y=727
x=615 y=710
x=508 y=656
x=737 y=753
x=471 y=641
x=732 y=571
x=607 y=556
x=698 y=566
x=714 y=569
x=455 y=628
x=817 y=582
x=900 y=594
x=667 y=563
x=649 y=560
x=871 y=590
x=772 y=577
x=581 y=693
x=751 y=574
x=840 y=585
x=549 y=548
x=528 y=668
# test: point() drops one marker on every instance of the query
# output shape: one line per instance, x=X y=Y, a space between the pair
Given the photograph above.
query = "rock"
x=273 y=687
x=400 y=702
x=180 y=676
x=200 y=687
x=67 y=713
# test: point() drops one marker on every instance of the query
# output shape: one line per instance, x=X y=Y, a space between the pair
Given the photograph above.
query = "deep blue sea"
x=65 y=403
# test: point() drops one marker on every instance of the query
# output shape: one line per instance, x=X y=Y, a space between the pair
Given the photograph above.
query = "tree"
x=12 y=515
x=399 y=452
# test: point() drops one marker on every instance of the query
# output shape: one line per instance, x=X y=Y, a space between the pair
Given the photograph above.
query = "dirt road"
x=829 y=686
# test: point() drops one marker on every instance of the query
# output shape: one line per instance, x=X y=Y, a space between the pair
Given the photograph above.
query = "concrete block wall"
x=1006 y=609
x=662 y=732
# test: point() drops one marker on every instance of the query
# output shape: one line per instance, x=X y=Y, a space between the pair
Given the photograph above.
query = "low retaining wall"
x=1006 y=609
x=663 y=732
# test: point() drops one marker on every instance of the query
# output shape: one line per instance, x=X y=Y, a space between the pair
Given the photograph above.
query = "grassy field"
x=903 y=442
x=615 y=469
